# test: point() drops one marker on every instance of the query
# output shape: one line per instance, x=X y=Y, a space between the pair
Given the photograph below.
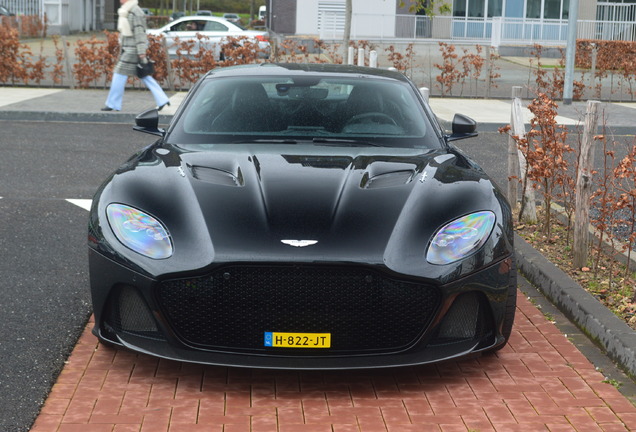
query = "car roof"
x=306 y=69
x=203 y=18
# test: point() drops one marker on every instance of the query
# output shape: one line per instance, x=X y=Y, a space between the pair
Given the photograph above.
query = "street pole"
x=347 y=29
x=568 y=85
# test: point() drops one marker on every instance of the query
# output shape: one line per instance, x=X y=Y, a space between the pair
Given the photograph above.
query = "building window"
x=535 y=9
x=477 y=8
x=459 y=8
x=548 y=9
x=552 y=9
x=495 y=8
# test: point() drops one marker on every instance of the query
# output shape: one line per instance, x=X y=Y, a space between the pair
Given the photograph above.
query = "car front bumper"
x=219 y=316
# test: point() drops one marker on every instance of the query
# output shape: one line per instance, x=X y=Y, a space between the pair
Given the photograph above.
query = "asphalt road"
x=44 y=297
x=44 y=294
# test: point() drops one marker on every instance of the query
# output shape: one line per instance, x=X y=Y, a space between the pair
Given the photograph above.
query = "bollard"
x=373 y=59
x=426 y=93
x=350 y=55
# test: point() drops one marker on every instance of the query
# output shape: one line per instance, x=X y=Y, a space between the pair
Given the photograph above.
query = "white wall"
x=69 y=16
x=308 y=12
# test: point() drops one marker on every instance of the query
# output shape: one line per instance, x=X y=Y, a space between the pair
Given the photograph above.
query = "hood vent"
x=385 y=180
x=387 y=173
x=217 y=176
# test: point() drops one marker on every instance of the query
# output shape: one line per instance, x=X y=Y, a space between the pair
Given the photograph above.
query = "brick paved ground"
x=539 y=382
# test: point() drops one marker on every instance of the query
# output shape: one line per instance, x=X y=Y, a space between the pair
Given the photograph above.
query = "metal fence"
x=545 y=31
x=493 y=31
x=24 y=7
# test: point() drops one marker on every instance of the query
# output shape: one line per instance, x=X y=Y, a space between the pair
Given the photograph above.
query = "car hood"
x=282 y=203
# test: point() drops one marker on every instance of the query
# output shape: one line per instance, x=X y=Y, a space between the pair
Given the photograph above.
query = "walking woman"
x=134 y=44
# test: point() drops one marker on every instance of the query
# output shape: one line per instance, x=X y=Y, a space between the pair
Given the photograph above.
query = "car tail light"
x=262 y=38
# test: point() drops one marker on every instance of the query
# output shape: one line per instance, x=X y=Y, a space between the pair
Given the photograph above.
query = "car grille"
x=469 y=319
x=128 y=313
x=364 y=310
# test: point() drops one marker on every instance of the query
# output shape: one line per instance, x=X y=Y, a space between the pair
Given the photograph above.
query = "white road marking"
x=83 y=203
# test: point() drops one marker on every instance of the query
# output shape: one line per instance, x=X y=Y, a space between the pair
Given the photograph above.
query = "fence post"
x=168 y=65
x=489 y=76
x=67 y=61
x=497 y=24
x=584 y=186
x=350 y=55
x=593 y=67
x=373 y=59
x=360 y=56
x=513 y=161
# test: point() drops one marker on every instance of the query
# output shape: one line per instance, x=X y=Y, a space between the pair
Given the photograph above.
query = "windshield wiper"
x=351 y=142
x=267 y=141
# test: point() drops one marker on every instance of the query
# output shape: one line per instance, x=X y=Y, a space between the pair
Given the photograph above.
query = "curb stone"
x=613 y=335
x=88 y=117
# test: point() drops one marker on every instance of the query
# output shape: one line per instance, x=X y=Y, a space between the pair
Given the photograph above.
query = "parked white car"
x=216 y=30
x=232 y=17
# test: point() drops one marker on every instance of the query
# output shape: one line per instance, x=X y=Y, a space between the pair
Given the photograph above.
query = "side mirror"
x=463 y=127
x=148 y=122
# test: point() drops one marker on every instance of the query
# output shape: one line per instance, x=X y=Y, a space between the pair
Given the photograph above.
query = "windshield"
x=330 y=110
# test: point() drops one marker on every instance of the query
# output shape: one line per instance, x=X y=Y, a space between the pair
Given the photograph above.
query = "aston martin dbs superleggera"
x=307 y=217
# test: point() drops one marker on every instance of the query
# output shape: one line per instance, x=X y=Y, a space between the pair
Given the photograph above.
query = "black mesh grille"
x=362 y=309
x=468 y=319
x=128 y=313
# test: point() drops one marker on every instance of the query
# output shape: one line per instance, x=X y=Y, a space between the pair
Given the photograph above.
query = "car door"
x=184 y=30
x=216 y=32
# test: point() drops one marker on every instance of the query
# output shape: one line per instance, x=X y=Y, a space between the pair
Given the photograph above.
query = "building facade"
x=65 y=16
x=497 y=21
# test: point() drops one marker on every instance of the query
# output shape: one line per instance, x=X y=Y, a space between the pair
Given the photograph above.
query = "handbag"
x=145 y=69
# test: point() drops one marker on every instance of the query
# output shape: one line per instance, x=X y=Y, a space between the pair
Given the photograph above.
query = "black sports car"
x=302 y=216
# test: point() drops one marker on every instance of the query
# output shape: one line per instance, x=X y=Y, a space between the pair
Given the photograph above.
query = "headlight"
x=460 y=238
x=139 y=231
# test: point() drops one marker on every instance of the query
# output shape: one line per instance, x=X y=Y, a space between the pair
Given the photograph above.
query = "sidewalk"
x=539 y=381
x=61 y=104
x=44 y=104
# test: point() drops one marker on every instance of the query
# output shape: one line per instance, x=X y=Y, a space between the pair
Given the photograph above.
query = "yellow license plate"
x=297 y=340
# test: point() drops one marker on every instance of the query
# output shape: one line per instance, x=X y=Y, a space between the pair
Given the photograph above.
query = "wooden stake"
x=584 y=186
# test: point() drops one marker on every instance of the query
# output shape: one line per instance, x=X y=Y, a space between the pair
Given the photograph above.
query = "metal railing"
x=24 y=7
x=493 y=31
